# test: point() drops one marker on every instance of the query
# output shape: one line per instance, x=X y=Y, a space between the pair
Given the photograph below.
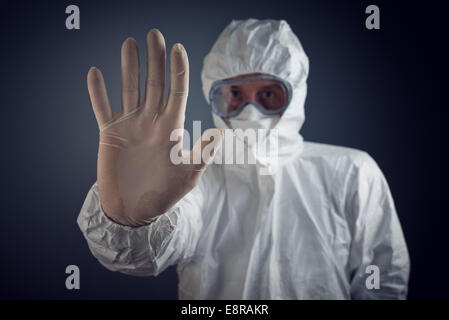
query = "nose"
x=250 y=95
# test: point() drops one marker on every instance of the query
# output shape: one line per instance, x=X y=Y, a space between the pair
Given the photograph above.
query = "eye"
x=235 y=93
x=267 y=94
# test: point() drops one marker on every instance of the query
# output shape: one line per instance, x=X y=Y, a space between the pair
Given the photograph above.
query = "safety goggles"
x=269 y=94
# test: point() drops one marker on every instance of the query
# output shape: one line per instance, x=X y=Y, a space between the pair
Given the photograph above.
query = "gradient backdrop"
x=380 y=91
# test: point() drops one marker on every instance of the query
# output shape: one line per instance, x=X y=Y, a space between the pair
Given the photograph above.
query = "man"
x=322 y=225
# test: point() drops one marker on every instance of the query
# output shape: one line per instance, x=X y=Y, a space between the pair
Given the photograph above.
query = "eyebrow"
x=275 y=86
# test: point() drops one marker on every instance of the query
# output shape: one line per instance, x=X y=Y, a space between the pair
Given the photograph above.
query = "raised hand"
x=136 y=178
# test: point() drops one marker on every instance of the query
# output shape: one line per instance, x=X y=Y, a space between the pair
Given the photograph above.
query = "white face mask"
x=251 y=118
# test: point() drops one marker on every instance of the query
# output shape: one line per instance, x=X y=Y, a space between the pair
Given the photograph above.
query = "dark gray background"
x=380 y=91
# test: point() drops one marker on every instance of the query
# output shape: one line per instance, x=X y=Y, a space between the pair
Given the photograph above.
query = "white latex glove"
x=137 y=180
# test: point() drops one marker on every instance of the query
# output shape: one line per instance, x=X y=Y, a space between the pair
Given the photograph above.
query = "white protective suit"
x=309 y=230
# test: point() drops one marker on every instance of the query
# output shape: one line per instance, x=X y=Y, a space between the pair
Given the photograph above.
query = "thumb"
x=205 y=149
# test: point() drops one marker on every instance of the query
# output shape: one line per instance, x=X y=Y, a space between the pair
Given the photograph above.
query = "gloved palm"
x=136 y=179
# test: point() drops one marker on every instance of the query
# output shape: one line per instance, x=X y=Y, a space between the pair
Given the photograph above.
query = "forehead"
x=252 y=84
x=243 y=76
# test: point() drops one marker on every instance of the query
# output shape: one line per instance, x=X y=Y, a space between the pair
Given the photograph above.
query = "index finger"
x=179 y=81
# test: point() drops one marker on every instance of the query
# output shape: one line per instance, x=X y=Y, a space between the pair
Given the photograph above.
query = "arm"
x=146 y=250
x=152 y=201
x=377 y=237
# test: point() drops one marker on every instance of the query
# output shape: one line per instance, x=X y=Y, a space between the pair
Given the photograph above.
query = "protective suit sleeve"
x=378 y=245
x=146 y=250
